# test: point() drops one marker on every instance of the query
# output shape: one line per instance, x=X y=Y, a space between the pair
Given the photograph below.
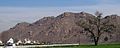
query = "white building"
x=1 y=42
x=34 y=42
x=10 y=40
x=27 y=41
x=19 y=42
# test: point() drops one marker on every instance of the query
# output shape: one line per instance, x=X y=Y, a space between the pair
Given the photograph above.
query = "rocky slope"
x=60 y=29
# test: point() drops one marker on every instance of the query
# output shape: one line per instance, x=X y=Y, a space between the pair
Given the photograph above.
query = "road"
x=26 y=46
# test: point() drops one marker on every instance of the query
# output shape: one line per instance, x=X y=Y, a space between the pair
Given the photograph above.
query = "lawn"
x=89 y=46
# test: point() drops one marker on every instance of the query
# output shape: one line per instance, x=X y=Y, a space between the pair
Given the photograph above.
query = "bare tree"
x=96 y=26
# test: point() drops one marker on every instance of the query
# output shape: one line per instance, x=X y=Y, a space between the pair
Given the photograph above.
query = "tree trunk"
x=96 y=41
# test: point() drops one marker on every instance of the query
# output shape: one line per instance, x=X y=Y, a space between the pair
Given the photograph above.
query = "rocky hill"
x=60 y=29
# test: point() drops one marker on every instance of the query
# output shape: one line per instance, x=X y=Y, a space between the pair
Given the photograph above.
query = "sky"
x=16 y=11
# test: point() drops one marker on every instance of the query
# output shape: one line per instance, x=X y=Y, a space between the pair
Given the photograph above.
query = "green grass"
x=91 y=46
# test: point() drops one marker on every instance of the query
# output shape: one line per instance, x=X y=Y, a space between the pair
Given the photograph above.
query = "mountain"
x=60 y=29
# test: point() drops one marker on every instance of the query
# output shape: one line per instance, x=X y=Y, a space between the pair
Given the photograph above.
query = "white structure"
x=10 y=40
x=19 y=42
x=13 y=45
x=1 y=42
x=34 y=42
x=27 y=41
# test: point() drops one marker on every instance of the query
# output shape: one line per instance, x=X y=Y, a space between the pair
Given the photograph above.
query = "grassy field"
x=88 y=46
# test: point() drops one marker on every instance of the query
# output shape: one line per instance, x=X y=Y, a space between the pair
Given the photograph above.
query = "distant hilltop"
x=60 y=29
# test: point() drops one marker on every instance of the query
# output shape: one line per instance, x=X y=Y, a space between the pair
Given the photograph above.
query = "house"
x=34 y=42
x=1 y=42
x=19 y=42
x=10 y=42
x=27 y=41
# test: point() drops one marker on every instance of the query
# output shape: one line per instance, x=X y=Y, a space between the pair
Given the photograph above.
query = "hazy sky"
x=15 y=11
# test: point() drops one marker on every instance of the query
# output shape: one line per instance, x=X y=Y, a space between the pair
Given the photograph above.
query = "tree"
x=96 y=26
